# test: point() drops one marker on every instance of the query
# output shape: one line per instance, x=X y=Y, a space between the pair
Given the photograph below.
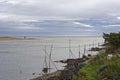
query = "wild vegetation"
x=106 y=65
x=113 y=39
x=113 y=42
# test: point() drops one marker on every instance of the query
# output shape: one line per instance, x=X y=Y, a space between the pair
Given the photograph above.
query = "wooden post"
x=69 y=48
x=84 y=49
x=45 y=64
x=20 y=74
x=50 y=56
x=79 y=51
x=93 y=44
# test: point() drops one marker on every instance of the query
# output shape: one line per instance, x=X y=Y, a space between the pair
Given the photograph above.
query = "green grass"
x=91 y=70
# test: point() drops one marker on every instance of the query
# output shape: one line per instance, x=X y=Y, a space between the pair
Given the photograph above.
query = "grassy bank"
x=101 y=67
x=106 y=65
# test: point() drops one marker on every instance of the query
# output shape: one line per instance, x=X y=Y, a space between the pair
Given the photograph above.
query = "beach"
x=13 y=38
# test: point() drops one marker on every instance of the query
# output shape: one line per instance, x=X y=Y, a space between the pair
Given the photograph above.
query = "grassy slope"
x=91 y=70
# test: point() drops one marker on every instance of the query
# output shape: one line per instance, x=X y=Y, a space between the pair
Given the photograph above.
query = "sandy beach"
x=13 y=38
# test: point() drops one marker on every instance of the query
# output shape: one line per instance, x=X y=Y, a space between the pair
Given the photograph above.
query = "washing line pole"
x=20 y=74
x=84 y=49
x=45 y=66
x=89 y=48
x=46 y=58
x=93 y=44
x=69 y=48
x=46 y=62
x=79 y=51
x=51 y=60
x=71 y=55
x=50 y=56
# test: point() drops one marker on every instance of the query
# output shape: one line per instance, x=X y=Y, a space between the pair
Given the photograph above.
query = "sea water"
x=19 y=59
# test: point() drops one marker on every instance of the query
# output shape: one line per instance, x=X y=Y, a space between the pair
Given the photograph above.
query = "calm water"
x=20 y=58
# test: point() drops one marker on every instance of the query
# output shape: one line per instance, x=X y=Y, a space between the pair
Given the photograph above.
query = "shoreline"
x=73 y=65
x=4 y=38
x=77 y=62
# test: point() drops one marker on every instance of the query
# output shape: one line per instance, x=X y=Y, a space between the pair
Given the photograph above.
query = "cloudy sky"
x=59 y=17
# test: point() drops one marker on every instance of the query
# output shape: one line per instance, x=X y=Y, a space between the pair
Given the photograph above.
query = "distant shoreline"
x=2 y=38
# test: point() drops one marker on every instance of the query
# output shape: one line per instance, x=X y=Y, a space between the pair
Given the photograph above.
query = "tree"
x=113 y=39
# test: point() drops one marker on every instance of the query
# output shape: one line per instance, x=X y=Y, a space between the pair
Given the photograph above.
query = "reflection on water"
x=20 y=58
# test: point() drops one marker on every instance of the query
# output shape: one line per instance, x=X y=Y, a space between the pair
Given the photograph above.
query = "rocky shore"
x=71 y=68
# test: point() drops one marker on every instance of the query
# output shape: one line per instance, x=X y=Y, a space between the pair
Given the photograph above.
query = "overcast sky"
x=59 y=17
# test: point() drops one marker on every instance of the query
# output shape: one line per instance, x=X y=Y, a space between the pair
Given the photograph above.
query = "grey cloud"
x=62 y=8
x=49 y=17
